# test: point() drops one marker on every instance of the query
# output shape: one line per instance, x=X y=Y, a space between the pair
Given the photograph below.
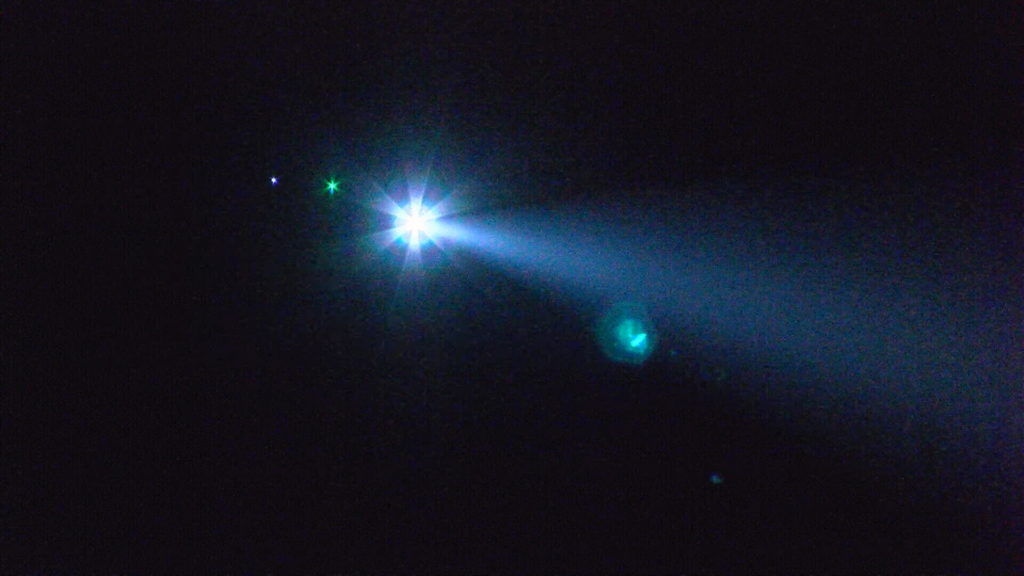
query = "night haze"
x=534 y=288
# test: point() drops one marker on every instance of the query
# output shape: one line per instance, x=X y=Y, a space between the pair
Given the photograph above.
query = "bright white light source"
x=273 y=180
x=414 y=224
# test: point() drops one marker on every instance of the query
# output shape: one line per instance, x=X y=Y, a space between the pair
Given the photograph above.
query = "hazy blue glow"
x=894 y=333
x=887 y=326
x=273 y=180
x=865 y=318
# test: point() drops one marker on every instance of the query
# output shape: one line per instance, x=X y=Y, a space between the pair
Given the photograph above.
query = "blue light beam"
x=902 y=334
x=882 y=329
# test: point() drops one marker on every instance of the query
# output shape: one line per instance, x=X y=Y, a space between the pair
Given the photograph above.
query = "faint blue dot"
x=716 y=479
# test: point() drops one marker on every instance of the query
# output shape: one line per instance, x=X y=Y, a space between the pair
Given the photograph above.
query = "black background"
x=289 y=406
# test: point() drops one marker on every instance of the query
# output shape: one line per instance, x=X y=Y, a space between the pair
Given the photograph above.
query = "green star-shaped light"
x=332 y=186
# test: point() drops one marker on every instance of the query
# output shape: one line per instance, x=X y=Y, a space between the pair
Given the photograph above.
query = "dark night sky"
x=290 y=406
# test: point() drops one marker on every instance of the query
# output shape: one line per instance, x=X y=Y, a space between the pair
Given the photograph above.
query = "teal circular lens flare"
x=626 y=334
